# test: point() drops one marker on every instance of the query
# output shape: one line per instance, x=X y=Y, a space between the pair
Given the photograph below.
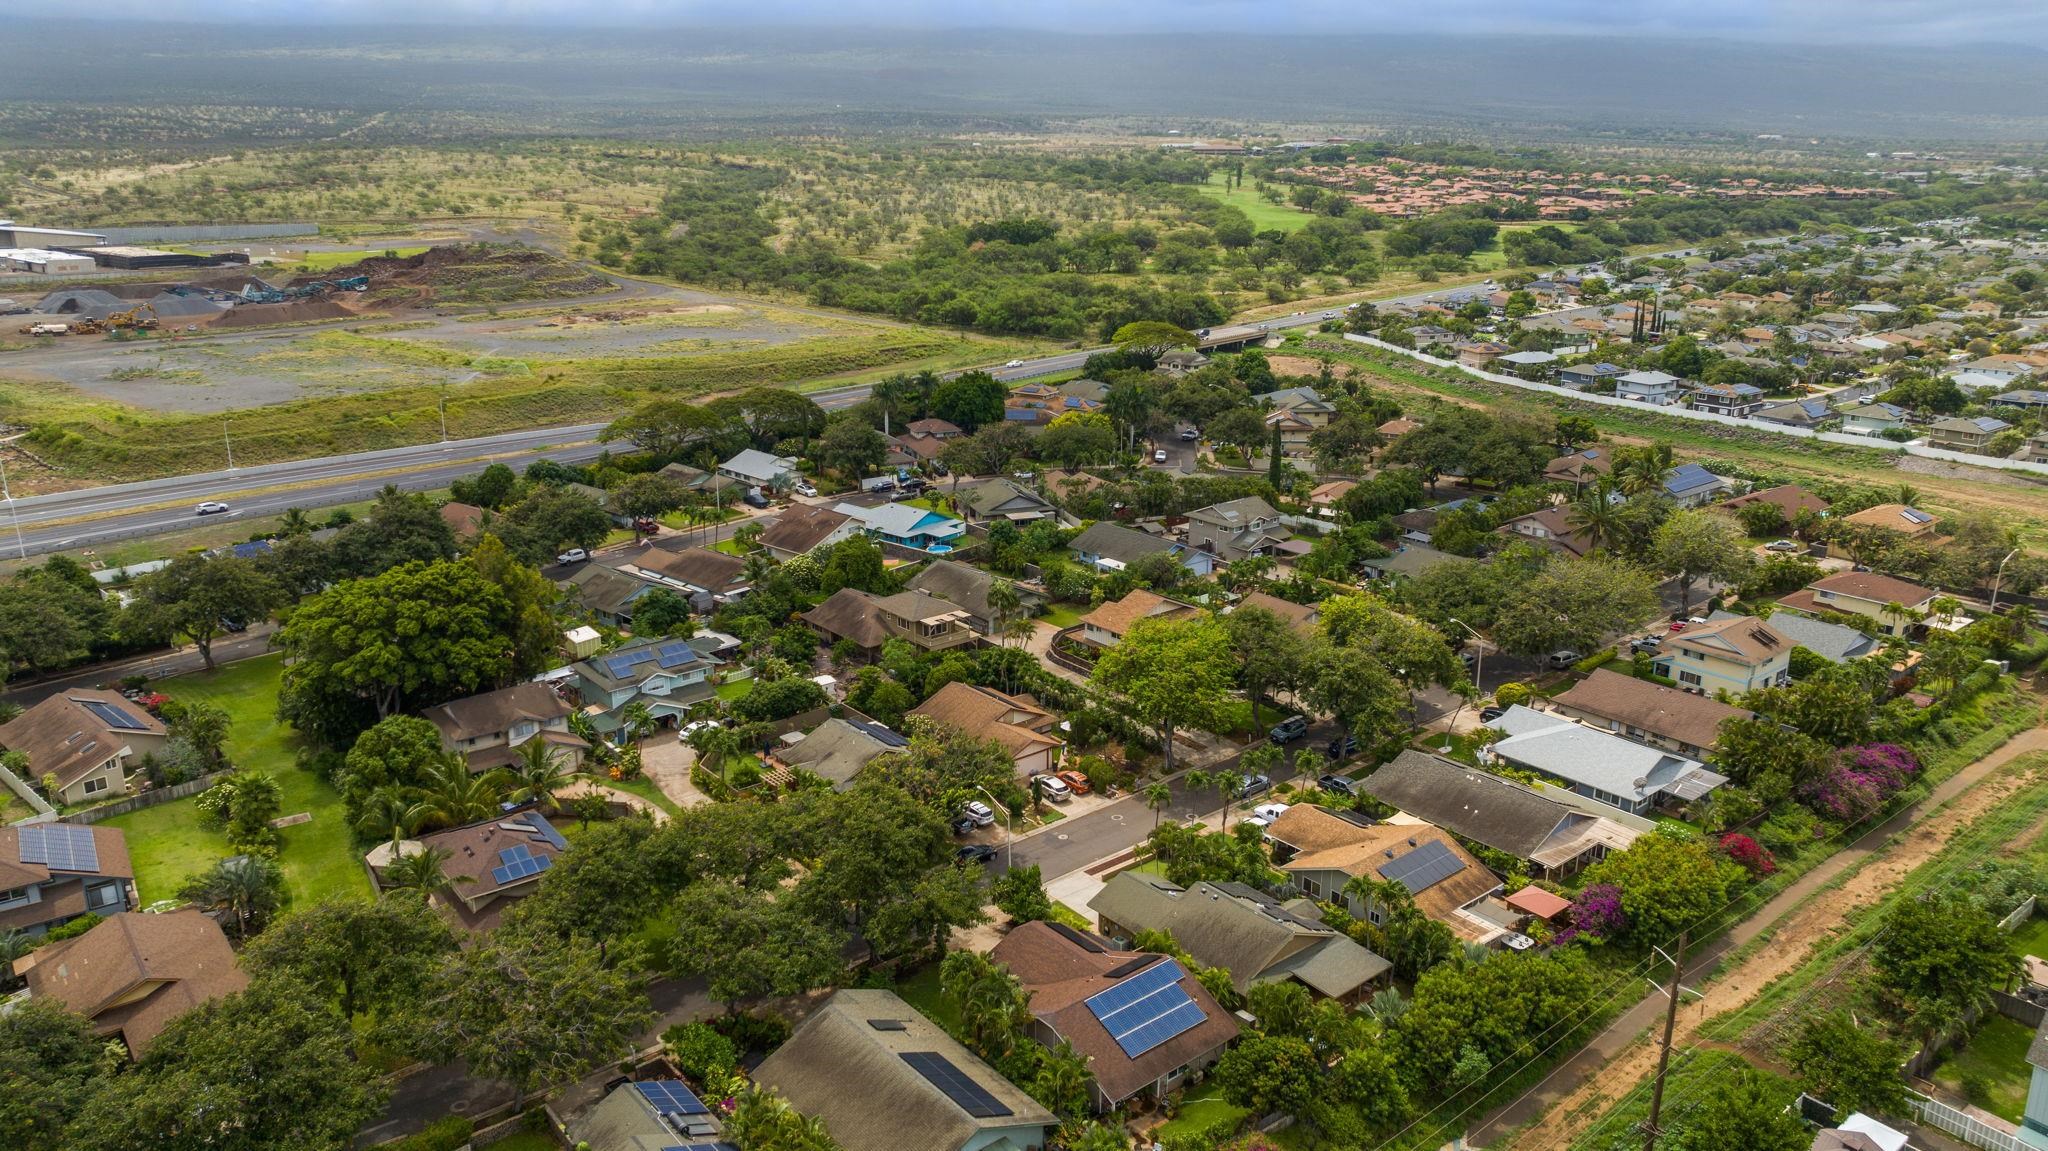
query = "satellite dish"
x=1642 y=783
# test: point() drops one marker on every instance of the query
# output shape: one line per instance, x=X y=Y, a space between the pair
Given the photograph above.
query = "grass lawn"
x=2031 y=937
x=734 y=689
x=1991 y=1069
x=645 y=789
x=323 y=261
x=1201 y=1107
x=169 y=845
x=922 y=992
x=729 y=547
x=1062 y=615
x=1263 y=213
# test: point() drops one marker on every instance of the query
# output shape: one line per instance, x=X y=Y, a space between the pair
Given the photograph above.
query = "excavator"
x=132 y=319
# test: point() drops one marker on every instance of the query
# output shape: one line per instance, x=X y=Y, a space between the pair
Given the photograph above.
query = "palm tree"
x=1157 y=797
x=637 y=721
x=539 y=773
x=1004 y=605
x=1594 y=517
x=421 y=871
x=453 y=797
x=1020 y=629
x=390 y=813
x=296 y=522
x=717 y=747
x=249 y=888
x=1945 y=608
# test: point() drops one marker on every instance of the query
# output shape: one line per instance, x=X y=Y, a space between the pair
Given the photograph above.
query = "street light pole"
x=1479 y=662
x=1009 y=837
x=13 y=513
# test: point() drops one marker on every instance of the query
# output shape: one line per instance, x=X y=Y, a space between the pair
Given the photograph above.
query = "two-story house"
x=1649 y=387
x=487 y=730
x=1873 y=419
x=1893 y=603
x=1739 y=400
x=1584 y=376
x=668 y=675
x=1734 y=655
x=1964 y=435
x=923 y=620
x=52 y=873
x=1106 y=625
x=968 y=588
x=1237 y=529
x=1023 y=728
x=1581 y=467
x=1107 y=546
x=1552 y=528
x=89 y=741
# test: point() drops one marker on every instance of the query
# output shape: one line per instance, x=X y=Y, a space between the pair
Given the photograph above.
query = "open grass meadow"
x=169 y=845
x=1263 y=213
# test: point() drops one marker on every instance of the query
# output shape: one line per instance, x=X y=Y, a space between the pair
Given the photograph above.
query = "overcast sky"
x=1895 y=22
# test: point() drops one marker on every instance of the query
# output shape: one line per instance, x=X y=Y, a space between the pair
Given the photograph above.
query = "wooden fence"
x=150 y=798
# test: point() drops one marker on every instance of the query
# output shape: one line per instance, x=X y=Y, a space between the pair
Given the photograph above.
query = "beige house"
x=487 y=730
x=89 y=741
x=1735 y=655
x=1106 y=625
x=1446 y=882
x=1909 y=522
x=1867 y=594
x=1015 y=721
x=131 y=974
x=1647 y=712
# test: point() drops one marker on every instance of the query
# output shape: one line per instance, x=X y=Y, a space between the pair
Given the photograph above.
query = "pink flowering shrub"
x=1860 y=782
x=1753 y=856
x=1596 y=914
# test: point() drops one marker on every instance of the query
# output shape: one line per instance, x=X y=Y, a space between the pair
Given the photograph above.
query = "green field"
x=167 y=843
x=1263 y=213
x=326 y=261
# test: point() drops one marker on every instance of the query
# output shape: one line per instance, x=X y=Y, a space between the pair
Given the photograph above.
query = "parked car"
x=755 y=498
x=1561 y=659
x=962 y=826
x=689 y=729
x=1341 y=746
x=1253 y=786
x=1335 y=784
x=1077 y=780
x=1781 y=546
x=1159 y=455
x=1053 y=788
x=1648 y=645
x=1190 y=434
x=1491 y=712
x=1014 y=364
x=973 y=853
x=1698 y=619
x=1329 y=315
x=1288 y=730
x=1270 y=811
x=212 y=508
x=804 y=488
x=978 y=813
x=1677 y=625
x=572 y=556
x=1469 y=660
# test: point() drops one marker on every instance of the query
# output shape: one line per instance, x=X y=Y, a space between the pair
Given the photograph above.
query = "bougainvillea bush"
x=1753 y=856
x=1596 y=915
x=1860 y=782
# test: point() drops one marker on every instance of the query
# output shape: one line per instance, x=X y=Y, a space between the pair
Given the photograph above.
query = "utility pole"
x=1650 y=1129
x=13 y=513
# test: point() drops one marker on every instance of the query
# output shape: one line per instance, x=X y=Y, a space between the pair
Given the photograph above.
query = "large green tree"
x=1573 y=604
x=1669 y=883
x=52 y=1065
x=373 y=959
x=1940 y=956
x=1745 y=1109
x=747 y=944
x=1849 y=1063
x=1271 y=1073
x=1696 y=545
x=197 y=598
x=1175 y=673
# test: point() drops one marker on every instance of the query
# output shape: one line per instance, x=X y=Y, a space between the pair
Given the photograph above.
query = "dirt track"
x=1802 y=924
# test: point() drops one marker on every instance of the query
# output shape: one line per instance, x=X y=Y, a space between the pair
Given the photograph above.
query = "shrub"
x=73 y=929
x=1596 y=914
x=1753 y=857
x=444 y=1134
x=1510 y=694
x=1790 y=829
x=1597 y=659
x=700 y=1053
x=1861 y=781
x=760 y=1031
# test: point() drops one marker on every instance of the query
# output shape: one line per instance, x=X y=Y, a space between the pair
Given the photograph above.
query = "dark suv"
x=1341 y=746
x=1288 y=730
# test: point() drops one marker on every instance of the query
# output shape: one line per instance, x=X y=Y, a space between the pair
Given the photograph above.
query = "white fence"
x=44 y=813
x=1561 y=392
x=1963 y=1125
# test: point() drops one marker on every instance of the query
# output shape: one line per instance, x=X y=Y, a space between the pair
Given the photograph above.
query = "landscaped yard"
x=922 y=992
x=734 y=689
x=167 y=843
x=1199 y=1109
x=1991 y=1069
x=2031 y=937
x=1062 y=615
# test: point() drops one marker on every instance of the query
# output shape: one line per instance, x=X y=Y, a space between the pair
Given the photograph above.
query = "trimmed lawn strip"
x=169 y=845
x=1199 y=1109
x=1062 y=616
x=1991 y=1069
x=642 y=787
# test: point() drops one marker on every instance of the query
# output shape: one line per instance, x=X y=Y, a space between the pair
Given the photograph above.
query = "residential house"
x=1107 y=546
x=1964 y=435
x=1482 y=353
x=1106 y=625
x=1528 y=365
x=1971 y=383
x=923 y=440
x=1237 y=529
x=1830 y=641
x=1867 y=594
x=2033 y=1130
x=606 y=594
x=1016 y=721
x=1326 y=496
x=487 y=730
x=1397 y=427
x=1407 y=561
x=837 y=749
x=1580 y=468
x=1001 y=499
x=1873 y=419
x=762 y=469
x=1447 y=883
x=668 y=675
x=1555 y=838
x=1294 y=431
x=1907 y=521
x=1620 y=773
x=931 y=623
x=969 y=588
x=1584 y=376
x=1552 y=528
x=650 y=1115
x=2025 y=399
x=1859 y=1132
x=1796 y=414
x=850 y=614
x=465 y=520
x=884 y=1078
x=907 y=525
x=89 y=740
x=1648 y=387
x=132 y=974
x=1738 y=400
x=1242 y=930
x=1647 y=712
x=2034 y=450
x=1300 y=617
x=1734 y=655
x=1041 y=404
x=490 y=864
x=1690 y=486
x=1789 y=499
x=52 y=873
x=803 y=528
x=694 y=572
x=1142 y=1021
x=699 y=480
x=2003 y=367
x=1180 y=362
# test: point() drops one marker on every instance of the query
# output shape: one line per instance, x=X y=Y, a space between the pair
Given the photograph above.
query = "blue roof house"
x=908 y=525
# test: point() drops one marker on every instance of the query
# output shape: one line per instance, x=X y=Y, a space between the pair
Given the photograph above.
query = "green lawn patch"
x=1201 y=1110
x=1692 y=1072
x=167 y=843
x=1063 y=914
x=2031 y=937
x=528 y=1141
x=729 y=547
x=921 y=990
x=1061 y=615
x=1991 y=1069
x=645 y=789
x=734 y=689
x=1263 y=213
x=325 y=261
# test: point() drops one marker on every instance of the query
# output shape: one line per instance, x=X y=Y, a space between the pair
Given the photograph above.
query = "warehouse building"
x=45 y=262
x=13 y=235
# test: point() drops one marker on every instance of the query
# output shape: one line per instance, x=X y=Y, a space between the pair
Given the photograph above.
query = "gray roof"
x=1414 y=559
x=1830 y=641
x=1115 y=541
x=899 y=519
x=837 y=749
x=966 y=586
x=604 y=590
x=1237 y=928
x=845 y=1071
x=759 y=466
x=988 y=496
x=624 y=1121
x=1487 y=809
x=1588 y=757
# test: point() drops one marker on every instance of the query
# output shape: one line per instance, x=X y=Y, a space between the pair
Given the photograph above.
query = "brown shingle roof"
x=1308 y=829
x=801 y=528
x=1874 y=587
x=1651 y=707
x=462 y=519
x=1117 y=617
x=714 y=572
x=1789 y=499
x=1059 y=973
x=183 y=953
x=62 y=737
x=849 y=613
x=1369 y=851
x=473 y=852
x=1743 y=638
x=495 y=712
x=1301 y=617
x=985 y=713
x=1893 y=516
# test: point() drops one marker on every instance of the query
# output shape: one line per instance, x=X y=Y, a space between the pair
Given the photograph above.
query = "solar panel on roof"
x=671 y=1097
x=1147 y=1009
x=60 y=847
x=675 y=654
x=1917 y=516
x=112 y=715
x=1423 y=868
x=516 y=863
x=547 y=831
x=970 y=1096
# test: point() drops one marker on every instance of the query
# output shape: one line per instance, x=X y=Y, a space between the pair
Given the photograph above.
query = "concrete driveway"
x=667 y=760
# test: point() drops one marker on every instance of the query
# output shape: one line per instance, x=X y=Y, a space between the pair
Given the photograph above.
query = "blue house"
x=668 y=675
x=1690 y=485
x=908 y=525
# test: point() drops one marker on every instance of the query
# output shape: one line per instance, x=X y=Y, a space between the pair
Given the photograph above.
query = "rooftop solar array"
x=971 y=1097
x=673 y=654
x=671 y=1097
x=1915 y=515
x=880 y=734
x=546 y=830
x=516 y=863
x=60 y=847
x=1147 y=1009
x=621 y=666
x=1423 y=868
x=113 y=715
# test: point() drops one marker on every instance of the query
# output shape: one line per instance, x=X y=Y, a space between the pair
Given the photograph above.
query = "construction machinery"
x=132 y=319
